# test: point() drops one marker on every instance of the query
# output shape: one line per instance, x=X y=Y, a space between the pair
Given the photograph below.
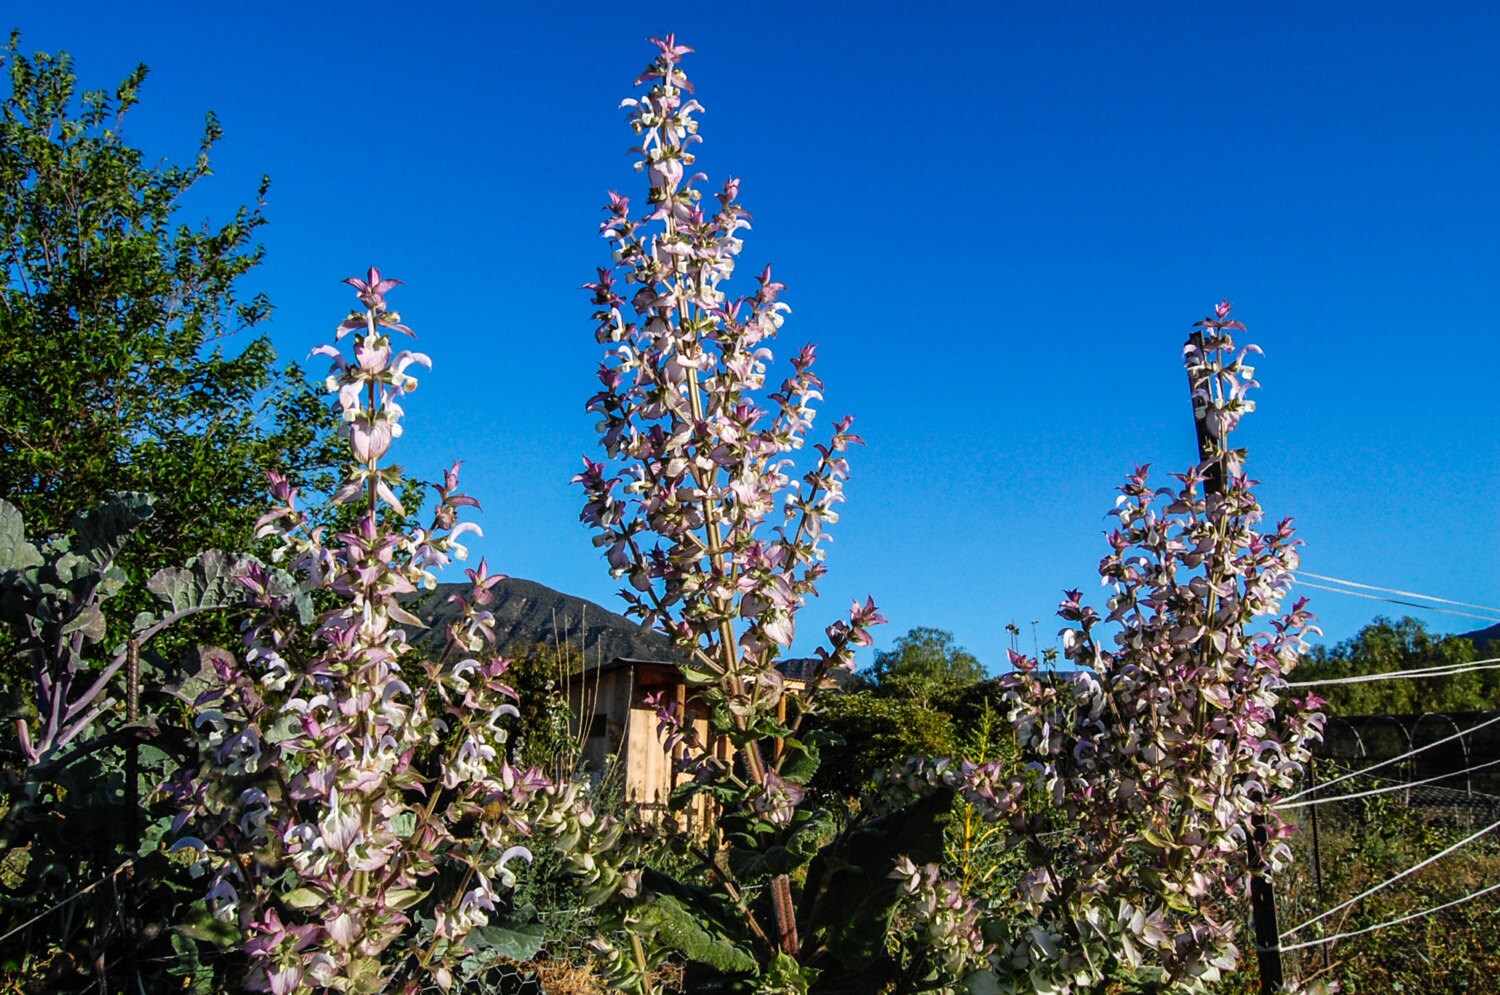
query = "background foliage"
x=124 y=361
x=1386 y=647
x=927 y=655
x=130 y=361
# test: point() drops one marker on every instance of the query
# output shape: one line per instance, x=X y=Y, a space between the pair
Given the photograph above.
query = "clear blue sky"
x=996 y=220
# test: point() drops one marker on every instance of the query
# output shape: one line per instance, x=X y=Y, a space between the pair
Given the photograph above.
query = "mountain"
x=1483 y=638
x=527 y=613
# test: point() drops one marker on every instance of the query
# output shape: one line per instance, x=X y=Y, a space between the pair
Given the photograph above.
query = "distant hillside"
x=527 y=613
x=1485 y=639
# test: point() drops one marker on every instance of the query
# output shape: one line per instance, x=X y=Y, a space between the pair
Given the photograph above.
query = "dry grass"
x=562 y=978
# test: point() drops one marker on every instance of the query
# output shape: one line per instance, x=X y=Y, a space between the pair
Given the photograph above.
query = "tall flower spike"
x=377 y=771
x=1176 y=735
x=697 y=500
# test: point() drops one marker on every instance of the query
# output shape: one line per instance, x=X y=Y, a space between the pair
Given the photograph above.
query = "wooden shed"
x=622 y=663
x=617 y=727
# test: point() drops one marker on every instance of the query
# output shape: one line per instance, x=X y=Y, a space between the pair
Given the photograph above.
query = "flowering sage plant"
x=700 y=507
x=1150 y=763
x=356 y=809
x=1143 y=772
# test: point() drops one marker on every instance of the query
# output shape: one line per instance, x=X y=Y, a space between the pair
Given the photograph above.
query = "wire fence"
x=1396 y=880
x=1396 y=876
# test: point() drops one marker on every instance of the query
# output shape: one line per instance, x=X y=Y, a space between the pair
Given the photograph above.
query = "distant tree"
x=542 y=735
x=116 y=375
x=1385 y=646
x=876 y=733
x=115 y=323
x=927 y=655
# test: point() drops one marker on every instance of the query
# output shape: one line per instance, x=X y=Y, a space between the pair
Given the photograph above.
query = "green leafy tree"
x=116 y=320
x=131 y=363
x=874 y=733
x=925 y=658
x=542 y=735
x=1385 y=646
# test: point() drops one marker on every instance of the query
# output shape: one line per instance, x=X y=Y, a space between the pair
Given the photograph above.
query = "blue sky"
x=997 y=221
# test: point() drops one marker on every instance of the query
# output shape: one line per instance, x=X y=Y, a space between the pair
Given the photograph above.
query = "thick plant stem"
x=786 y=915
x=781 y=885
x=711 y=521
x=639 y=953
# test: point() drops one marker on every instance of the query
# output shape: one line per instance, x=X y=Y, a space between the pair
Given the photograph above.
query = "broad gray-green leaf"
x=16 y=553
x=518 y=942
x=982 y=983
x=89 y=621
x=67 y=570
x=112 y=582
x=681 y=930
x=206 y=582
x=101 y=532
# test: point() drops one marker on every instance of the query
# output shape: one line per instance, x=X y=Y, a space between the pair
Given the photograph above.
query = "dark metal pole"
x=132 y=746
x=1317 y=853
x=1262 y=897
x=1263 y=912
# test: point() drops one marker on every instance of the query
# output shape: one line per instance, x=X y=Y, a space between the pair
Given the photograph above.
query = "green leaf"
x=404 y=898
x=1156 y=839
x=755 y=861
x=689 y=915
x=982 y=983
x=751 y=865
x=808 y=838
x=849 y=882
x=785 y=975
x=518 y=941
x=66 y=570
x=682 y=930
x=186 y=964
x=821 y=737
x=802 y=761
x=16 y=553
x=206 y=582
x=101 y=532
x=685 y=792
x=89 y=621
x=303 y=898
x=199 y=924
